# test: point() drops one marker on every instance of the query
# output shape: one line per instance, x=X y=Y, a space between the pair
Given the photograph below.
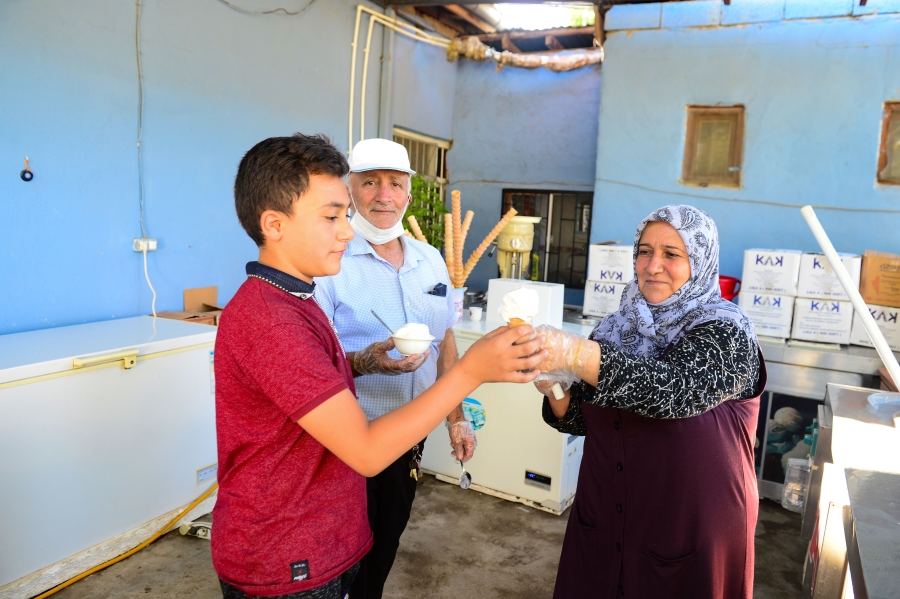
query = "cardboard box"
x=888 y=321
x=826 y=321
x=602 y=298
x=200 y=306
x=817 y=278
x=771 y=315
x=773 y=272
x=879 y=283
x=611 y=263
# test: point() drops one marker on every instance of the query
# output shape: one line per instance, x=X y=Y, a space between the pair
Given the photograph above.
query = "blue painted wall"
x=813 y=92
x=424 y=88
x=216 y=81
x=520 y=129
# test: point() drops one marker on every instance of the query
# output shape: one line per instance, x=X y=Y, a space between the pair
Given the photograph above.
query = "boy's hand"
x=495 y=359
x=374 y=359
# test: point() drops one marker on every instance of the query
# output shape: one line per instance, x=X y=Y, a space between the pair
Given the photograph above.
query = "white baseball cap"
x=372 y=154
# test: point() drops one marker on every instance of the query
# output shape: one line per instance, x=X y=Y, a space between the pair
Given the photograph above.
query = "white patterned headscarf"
x=648 y=329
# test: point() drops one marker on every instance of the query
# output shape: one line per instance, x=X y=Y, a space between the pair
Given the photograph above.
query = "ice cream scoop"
x=519 y=306
x=413 y=330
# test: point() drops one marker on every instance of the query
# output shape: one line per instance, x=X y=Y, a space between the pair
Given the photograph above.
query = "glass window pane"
x=713 y=147
x=891 y=171
x=568 y=206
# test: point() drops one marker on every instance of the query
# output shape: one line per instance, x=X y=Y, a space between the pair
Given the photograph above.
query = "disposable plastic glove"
x=374 y=359
x=462 y=439
x=569 y=354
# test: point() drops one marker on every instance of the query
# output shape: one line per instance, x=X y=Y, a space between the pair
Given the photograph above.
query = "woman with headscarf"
x=667 y=397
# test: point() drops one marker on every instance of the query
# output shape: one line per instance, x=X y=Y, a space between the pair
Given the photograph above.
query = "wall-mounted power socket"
x=144 y=243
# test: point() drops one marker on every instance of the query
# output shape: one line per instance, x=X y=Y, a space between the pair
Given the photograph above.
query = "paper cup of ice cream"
x=412 y=338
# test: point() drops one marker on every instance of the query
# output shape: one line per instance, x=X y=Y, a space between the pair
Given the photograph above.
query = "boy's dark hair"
x=276 y=171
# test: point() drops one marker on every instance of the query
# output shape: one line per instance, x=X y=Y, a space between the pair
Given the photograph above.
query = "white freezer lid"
x=37 y=353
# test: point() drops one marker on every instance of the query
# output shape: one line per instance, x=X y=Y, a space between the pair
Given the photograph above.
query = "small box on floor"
x=888 y=321
x=817 y=278
x=771 y=271
x=879 y=282
x=611 y=263
x=825 y=321
x=602 y=298
x=771 y=315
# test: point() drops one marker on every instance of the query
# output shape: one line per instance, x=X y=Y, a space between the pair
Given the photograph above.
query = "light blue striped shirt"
x=368 y=282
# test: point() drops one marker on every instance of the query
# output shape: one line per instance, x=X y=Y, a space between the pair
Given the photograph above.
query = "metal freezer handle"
x=128 y=358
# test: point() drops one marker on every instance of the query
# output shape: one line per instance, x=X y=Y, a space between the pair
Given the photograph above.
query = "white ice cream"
x=413 y=330
x=521 y=303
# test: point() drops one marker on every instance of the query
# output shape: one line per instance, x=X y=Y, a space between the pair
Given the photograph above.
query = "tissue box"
x=817 y=279
x=827 y=321
x=550 y=308
x=888 y=321
x=771 y=315
x=602 y=298
x=611 y=264
x=771 y=271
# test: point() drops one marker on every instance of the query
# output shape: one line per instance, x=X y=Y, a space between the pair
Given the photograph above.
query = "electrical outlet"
x=142 y=243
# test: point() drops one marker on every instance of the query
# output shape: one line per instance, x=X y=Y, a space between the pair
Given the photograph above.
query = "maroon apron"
x=665 y=509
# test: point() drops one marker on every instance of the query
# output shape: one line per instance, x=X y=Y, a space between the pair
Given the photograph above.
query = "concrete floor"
x=458 y=544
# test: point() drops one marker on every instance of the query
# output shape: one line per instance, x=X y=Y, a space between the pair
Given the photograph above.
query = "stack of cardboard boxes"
x=786 y=293
x=769 y=290
x=610 y=267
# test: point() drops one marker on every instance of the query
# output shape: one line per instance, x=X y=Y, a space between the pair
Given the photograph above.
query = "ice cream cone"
x=515 y=322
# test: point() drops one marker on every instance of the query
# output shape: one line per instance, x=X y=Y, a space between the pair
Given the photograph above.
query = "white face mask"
x=373 y=234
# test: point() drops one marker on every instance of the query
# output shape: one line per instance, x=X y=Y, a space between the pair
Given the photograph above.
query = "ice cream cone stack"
x=455 y=230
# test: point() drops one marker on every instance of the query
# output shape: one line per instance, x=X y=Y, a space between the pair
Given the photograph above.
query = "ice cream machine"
x=514 y=244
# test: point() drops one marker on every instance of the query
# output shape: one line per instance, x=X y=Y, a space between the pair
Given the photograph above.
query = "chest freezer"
x=104 y=427
x=519 y=457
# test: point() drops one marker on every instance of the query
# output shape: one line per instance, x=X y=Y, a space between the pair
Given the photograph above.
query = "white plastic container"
x=796 y=479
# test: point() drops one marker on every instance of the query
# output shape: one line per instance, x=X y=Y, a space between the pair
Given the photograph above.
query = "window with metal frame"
x=713 y=147
x=427 y=156
x=889 y=151
x=561 y=239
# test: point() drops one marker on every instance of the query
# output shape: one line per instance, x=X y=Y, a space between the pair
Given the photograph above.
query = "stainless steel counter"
x=803 y=370
x=875 y=506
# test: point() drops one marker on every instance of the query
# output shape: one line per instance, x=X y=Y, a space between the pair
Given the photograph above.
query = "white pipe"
x=881 y=345
x=359 y=9
x=365 y=76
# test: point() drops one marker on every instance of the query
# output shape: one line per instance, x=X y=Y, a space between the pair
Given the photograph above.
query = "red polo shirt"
x=290 y=515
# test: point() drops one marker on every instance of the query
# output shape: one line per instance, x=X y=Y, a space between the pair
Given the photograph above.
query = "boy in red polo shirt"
x=294 y=445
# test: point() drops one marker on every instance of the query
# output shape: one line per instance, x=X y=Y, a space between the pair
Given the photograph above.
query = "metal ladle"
x=465 y=479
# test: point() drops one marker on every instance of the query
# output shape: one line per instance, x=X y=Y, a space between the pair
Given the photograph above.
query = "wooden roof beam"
x=552 y=43
x=467 y=16
x=508 y=45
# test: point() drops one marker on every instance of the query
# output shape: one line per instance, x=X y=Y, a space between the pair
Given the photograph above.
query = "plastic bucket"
x=729 y=286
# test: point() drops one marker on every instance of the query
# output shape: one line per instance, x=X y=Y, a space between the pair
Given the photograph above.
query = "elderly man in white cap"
x=402 y=280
